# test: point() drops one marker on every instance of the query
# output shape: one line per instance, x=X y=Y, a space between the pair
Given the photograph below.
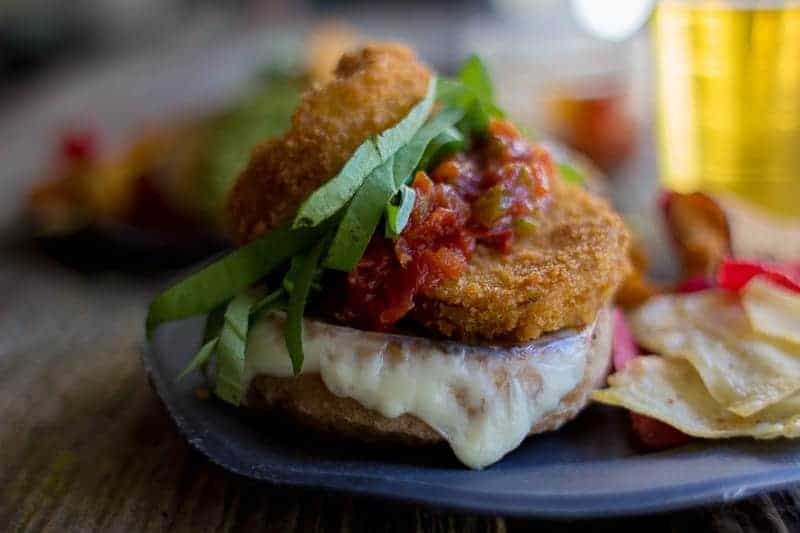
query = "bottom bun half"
x=524 y=373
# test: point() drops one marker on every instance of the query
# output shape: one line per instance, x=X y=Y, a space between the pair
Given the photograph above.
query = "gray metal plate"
x=587 y=469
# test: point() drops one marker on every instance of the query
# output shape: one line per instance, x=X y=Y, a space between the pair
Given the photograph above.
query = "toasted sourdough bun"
x=307 y=399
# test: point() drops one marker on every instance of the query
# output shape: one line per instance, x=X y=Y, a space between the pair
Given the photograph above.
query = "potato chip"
x=670 y=390
x=772 y=309
x=743 y=370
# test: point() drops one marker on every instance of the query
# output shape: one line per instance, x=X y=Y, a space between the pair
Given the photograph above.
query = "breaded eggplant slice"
x=559 y=277
x=374 y=88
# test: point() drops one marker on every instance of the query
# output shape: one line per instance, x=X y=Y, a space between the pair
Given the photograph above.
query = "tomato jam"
x=490 y=196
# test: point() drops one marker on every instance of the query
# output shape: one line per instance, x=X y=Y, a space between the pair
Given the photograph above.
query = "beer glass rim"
x=736 y=4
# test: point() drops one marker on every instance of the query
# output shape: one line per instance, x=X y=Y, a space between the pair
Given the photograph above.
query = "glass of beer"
x=729 y=99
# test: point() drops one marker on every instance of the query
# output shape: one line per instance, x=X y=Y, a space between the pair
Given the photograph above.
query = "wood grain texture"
x=86 y=446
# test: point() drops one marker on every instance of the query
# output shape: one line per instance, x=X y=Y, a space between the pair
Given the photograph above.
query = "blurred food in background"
x=699 y=231
x=729 y=99
x=172 y=176
x=170 y=180
x=710 y=236
x=594 y=117
x=728 y=110
x=230 y=136
x=706 y=230
x=574 y=71
x=147 y=185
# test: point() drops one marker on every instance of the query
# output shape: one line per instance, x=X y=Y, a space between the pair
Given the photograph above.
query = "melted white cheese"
x=482 y=400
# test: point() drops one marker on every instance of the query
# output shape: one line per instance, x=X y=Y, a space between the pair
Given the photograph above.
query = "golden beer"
x=729 y=99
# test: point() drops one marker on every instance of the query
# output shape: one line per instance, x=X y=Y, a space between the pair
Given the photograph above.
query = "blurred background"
x=126 y=120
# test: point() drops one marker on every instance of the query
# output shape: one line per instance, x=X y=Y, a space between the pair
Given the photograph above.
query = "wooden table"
x=85 y=444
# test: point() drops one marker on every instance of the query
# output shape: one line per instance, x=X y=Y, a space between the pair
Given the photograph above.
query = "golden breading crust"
x=374 y=88
x=558 y=278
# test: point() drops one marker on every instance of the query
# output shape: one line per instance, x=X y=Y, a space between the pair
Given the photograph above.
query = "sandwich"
x=410 y=268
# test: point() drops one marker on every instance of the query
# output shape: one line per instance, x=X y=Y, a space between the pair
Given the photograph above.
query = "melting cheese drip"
x=482 y=400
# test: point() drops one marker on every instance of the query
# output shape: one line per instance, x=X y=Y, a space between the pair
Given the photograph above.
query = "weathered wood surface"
x=85 y=444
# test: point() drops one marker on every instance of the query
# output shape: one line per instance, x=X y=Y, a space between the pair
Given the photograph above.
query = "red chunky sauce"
x=489 y=196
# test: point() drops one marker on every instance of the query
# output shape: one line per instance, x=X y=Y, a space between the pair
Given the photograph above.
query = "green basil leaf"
x=278 y=299
x=361 y=218
x=288 y=279
x=328 y=199
x=570 y=174
x=223 y=279
x=408 y=157
x=334 y=195
x=200 y=359
x=364 y=212
x=390 y=223
x=476 y=120
x=391 y=140
x=473 y=92
x=453 y=93
x=475 y=76
x=449 y=141
x=232 y=347
x=397 y=215
x=291 y=274
x=293 y=331
x=214 y=323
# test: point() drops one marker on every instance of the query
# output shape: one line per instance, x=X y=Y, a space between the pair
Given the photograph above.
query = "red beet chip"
x=624 y=346
x=656 y=435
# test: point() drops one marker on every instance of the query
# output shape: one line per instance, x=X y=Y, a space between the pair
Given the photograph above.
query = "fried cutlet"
x=374 y=88
x=560 y=277
x=531 y=305
x=557 y=278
